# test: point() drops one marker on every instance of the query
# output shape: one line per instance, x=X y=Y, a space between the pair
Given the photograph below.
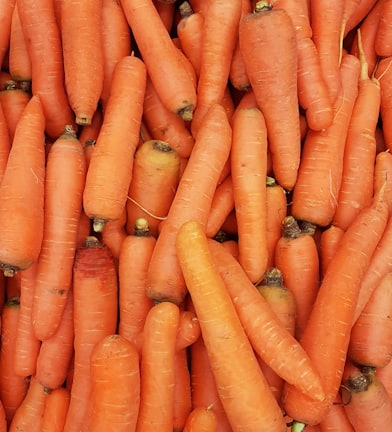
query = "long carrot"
x=242 y=388
x=336 y=298
x=273 y=76
x=22 y=192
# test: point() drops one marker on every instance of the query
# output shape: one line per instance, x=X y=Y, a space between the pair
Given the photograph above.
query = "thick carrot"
x=243 y=390
x=157 y=361
x=269 y=338
x=192 y=200
x=201 y=420
x=336 y=298
x=95 y=293
x=383 y=40
x=115 y=388
x=155 y=177
x=22 y=192
x=64 y=185
x=81 y=37
x=273 y=76
x=106 y=189
x=43 y=38
x=319 y=176
x=134 y=305
x=156 y=47
x=56 y=406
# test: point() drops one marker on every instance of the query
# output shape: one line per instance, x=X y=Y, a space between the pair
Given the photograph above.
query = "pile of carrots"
x=195 y=215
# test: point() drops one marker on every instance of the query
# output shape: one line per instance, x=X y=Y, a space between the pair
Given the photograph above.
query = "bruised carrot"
x=22 y=192
x=244 y=393
x=106 y=189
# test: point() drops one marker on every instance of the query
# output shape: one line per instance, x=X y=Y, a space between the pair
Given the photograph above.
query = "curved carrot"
x=56 y=406
x=242 y=388
x=22 y=192
x=106 y=189
x=192 y=200
x=63 y=207
x=274 y=83
x=115 y=388
x=156 y=173
x=340 y=287
x=157 y=360
x=178 y=93
x=201 y=420
x=82 y=56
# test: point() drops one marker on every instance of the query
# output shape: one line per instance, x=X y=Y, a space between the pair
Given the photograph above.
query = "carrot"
x=13 y=387
x=192 y=200
x=265 y=332
x=384 y=374
x=370 y=341
x=356 y=189
x=329 y=242
x=319 y=176
x=55 y=354
x=82 y=56
x=134 y=305
x=116 y=43
x=157 y=361
x=201 y=420
x=166 y=12
x=273 y=77
x=244 y=392
x=188 y=330
x=95 y=293
x=220 y=32
x=383 y=173
x=13 y=101
x=6 y=11
x=296 y=256
x=106 y=189
x=355 y=11
x=369 y=407
x=5 y=142
x=182 y=390
x=88 y=134
x=44 y=45
x=56 y=406
x=382 y=43
x=84 y=229
x=22 y=192
x=337 y=297
x=18 y=55
x=27 y=345
x=3 y=420
x=177 y=93
x=63 y=206
x=115 y=388
x=156 y=173
x=164 y=125
x=28 y=416
x=336 y=419
x=383 y=73
x=113 y=234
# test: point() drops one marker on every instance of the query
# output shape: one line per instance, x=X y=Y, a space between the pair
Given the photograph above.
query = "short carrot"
x=242 y=388
x=22 y=192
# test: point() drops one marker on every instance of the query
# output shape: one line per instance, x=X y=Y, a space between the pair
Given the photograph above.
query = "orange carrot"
x=106 y=189
x=113 y=234
x=192 y=200
x=336 y=298
x=134 y=305
x=95 y=316
x=115 y=388
x=56 y=406
x=156 y=173
x=5 y=142
x=156 y=47
x=182 y=390
x=384 y=374
x=329 y=242
x=3 y=420
x=157 y=360
x=383 y=173
x=383 y=40
x=274 y=81
x=248 y=173
x=6 y=11
x=336 y=419
x=82 y=56
x=64 y=185
x=43 y=38
x=354 y=12
x=22 y=192
x=383 y=73
x=242 y=388
x=201 y=420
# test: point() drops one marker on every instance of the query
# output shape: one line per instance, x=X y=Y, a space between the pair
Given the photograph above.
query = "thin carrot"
x=5 y=142
x=192 y=200
x=242 y=388
x=156 y=173
x=383 y=73
x=95 y=293
x=113 y=234
x=329 y=242
x=201 y=420
x=82 y=56
x=115 y=388
x=56 y=406
x=134 y=305
x=382 y=43
x=274 y=81
x=156 y=47
x=22 y=192
x=336 y=298
x=157 y=361
x=383 y=173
